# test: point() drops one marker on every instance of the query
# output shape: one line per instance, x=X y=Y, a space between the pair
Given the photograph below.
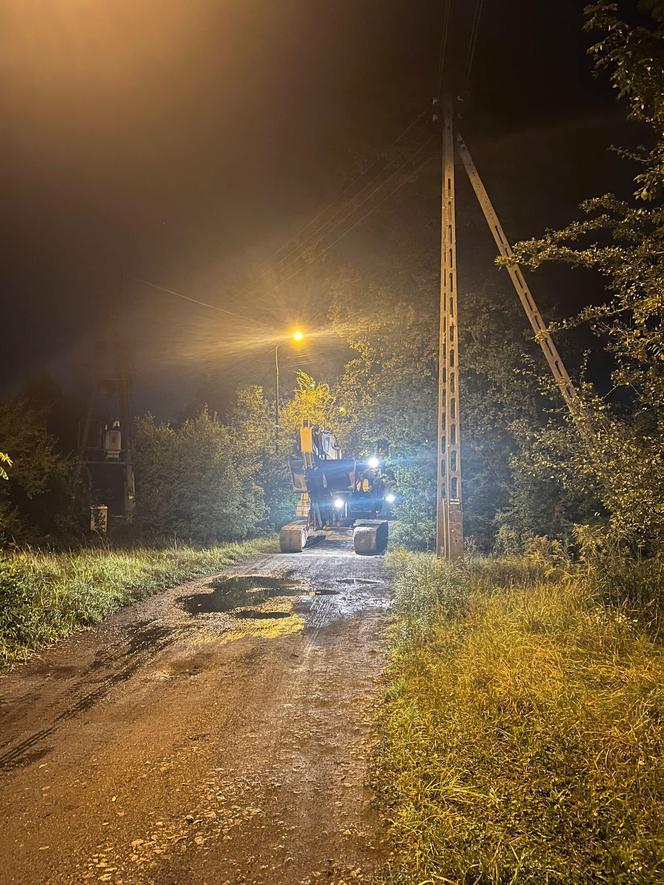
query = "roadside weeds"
x=520 y=738
x=47 y=596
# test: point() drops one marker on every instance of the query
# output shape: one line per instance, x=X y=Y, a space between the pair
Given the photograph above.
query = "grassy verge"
x=46 y=596
x=521 y=737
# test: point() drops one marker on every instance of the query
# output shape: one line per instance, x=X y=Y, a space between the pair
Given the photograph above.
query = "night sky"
x=184 y=141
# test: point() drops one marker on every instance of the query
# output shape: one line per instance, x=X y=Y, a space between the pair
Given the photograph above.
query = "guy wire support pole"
x=449 y=513
x=542 y=334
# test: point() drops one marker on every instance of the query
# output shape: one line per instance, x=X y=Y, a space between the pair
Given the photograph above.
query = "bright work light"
x=298 y=335
x=390 y=498
x=338 y=503
x=373 y=462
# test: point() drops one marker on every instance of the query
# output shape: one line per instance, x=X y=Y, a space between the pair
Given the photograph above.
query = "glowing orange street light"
x=298 y=335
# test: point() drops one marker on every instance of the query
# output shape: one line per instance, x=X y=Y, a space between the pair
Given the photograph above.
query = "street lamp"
x=297 y=336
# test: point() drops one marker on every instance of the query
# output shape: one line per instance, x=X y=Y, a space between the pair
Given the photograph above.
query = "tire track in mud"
x=147 y=646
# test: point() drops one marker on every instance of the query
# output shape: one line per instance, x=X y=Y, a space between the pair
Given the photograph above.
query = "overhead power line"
x=311 y=248
x=472 y=44
x=184 y=297
x=323 y=252
x=355 y=204
x=401 y=184
x=447 y=9
x=318 y=222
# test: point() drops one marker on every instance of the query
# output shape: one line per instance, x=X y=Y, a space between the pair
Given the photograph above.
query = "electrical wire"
x=326 y=229
x=447 y=9
x=184 y=297
x=358 y=221
x=472 y=44
x=380 y=202
x=352 y=207
x=307 y=260
x=295 y=242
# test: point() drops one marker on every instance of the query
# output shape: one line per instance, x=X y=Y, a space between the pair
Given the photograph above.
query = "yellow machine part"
x=306 y=440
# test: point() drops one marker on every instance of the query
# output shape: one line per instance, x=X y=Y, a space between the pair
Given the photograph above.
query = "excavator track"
x=370 y=537
x=293 y=536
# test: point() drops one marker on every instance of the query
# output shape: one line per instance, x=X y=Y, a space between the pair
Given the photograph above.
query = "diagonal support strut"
x=542 y=334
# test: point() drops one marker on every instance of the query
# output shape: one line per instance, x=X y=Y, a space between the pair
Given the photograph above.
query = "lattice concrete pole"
x=449 y=534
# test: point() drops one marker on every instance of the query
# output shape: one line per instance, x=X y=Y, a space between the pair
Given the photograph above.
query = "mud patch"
x=147 y=636
x=260 y=615
x=235 y=592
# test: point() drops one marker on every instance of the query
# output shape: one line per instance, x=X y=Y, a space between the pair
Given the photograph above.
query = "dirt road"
x=217 y=732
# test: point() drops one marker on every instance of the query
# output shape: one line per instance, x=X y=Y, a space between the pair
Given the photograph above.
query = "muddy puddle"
x=238 y=592
x=253 y=614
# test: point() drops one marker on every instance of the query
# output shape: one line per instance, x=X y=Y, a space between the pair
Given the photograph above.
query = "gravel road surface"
x=214 y=733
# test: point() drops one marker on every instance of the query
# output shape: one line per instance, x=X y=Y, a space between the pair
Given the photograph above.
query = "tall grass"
x=46 y=596
x=632 y=584
x=521 y=737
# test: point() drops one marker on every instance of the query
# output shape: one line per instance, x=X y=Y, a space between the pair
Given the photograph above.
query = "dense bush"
x=36 y=500
x=195 y=481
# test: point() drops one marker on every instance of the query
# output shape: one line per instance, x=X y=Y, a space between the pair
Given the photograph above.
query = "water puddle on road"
x=254 y=614
x=259 y=605
x=239 y=591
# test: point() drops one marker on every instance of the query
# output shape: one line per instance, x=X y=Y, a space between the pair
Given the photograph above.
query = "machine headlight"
x=338 y=503
x=390 y=498
x=373 y=462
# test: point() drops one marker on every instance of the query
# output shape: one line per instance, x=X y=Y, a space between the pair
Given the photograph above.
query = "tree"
x=252 y=421
x=623 y=240
x=4 y=459
x=311 y=401
x=194 y=481
x=388 y=392
x=36 y=503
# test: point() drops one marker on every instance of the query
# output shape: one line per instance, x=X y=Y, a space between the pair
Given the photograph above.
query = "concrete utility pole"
x=449 y=511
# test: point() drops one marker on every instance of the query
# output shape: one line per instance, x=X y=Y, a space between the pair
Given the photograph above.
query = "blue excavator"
x=336 y=492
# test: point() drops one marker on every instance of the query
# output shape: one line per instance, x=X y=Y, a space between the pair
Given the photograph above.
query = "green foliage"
x=520 y=739
x=36 y=502
x=195 y=481
x=632 y=584
x=389 y=389
x=253 y=423
x=621 y=462
x=500 y=400
x=4 y=459
x=47 y=596
x=415 y=479
x=206 y=481
x=547 y=497
x=310 y=400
